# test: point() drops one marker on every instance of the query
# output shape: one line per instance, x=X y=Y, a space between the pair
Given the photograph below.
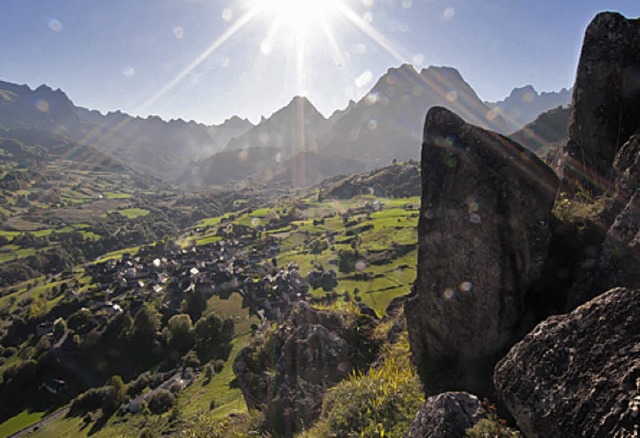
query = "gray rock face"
x=285 y=374
x=606 y=102
x=446 y=415
x=626 y=228
x=578 y=374
x=616 y=263
x=620 y=258
x=483 y=238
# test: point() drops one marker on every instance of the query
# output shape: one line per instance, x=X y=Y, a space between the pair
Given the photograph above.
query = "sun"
x=299 y=14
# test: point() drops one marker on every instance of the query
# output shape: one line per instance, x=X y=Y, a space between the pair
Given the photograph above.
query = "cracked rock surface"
x=448 y=415
x=578 y=374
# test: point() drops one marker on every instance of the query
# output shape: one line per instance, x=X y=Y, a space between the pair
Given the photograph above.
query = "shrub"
x=89 y=401
x=175 y=388
x=237 y=426
x=136 y=386
x=209 y=371
x=191 y=360
x=161 y=401
x=492 y=426
x=382 y=402
x=218 y=365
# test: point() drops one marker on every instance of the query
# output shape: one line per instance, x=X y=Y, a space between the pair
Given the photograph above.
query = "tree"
x=59 y=328
x=180 y=336
x=212 y=337
x=146 y=323
x=196 y=304
x=115 y=394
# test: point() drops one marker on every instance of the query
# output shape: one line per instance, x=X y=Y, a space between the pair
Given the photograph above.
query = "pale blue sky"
x=134 y=55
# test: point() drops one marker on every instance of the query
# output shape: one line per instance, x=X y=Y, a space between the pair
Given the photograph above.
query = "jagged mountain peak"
x=444 y=71
x=236 y=121
x=387 y=122
x=524 y=104
x=299 y=108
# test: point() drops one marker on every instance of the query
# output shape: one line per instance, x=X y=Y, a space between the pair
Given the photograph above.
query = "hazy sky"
x=210 y=59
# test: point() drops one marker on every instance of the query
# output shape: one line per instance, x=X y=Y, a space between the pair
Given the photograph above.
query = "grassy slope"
x=394 y=224
x=19 y=422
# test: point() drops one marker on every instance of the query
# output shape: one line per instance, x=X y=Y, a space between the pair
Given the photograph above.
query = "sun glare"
x=299 y=13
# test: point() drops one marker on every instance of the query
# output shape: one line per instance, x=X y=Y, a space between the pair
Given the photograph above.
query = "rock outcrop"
x=606 y=102
x=621 y=249
x=483 y=240
x=578 y=374
x=617 y=261
x=601 y=157
x=286 y=373
x=448 y=415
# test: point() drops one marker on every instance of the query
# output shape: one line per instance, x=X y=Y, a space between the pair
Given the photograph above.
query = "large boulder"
x=606 y=102
x=483 y=238
x=578 y=374
x=447 y=415
x=285 y=373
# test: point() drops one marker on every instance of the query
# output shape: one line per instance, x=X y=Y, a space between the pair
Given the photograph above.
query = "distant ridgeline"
x=296 y=146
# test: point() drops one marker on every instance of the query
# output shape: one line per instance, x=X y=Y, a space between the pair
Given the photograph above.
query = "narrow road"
x=40 y=424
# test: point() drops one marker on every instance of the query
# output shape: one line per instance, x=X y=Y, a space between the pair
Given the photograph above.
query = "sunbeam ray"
x=237 y=26
x=371 y=32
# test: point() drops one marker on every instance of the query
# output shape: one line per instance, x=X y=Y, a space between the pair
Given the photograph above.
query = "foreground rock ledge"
x=578 y=374
x=483 y=239
x=447 y=415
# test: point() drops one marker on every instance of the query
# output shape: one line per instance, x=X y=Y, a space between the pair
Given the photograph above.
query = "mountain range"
x=295 y=146
x=525 y=104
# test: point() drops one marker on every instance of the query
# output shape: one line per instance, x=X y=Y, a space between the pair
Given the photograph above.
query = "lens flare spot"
x=128 y=71
x=178 y=32
x=448 y=294
x=226 y=62
x=55 y=25
x=266 y=47
x=367 y=3
x=373 y=125
x=475 y=218
x=227 y=15
x=406 y=4
x=528 y=97
x=452 y=96
x=465 y=286
x=368 y=17
x=491 y=115
x=418 y=59
x=255 y=222
x=364 y=79
x=451 y=161
x=371 y=99
x=449 y=13
x=42 y=106
x=361 y=265
x=243 y=155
